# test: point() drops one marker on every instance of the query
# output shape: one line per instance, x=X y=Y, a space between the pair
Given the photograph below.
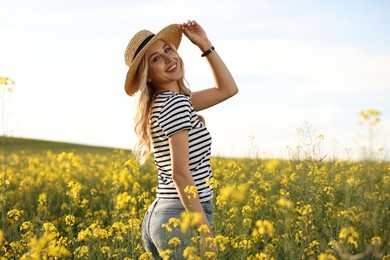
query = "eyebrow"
x=151 y=55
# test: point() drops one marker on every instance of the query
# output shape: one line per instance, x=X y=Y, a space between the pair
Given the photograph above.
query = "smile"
x=171 y=68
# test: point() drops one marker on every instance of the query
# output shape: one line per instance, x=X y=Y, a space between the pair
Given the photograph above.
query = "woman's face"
x=164 y=66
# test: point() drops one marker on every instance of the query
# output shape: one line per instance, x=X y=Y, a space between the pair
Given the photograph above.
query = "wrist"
x=204 y=46
x=208 y=51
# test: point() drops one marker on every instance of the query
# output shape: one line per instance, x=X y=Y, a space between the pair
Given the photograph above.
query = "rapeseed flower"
x=122 y=200
x=189 y=219
x=376 y=241
x=175 y=222
x=191 y=191
x=204 y=229
x=190 y=253
x=146 y=256
x=349 y=235
x=259 y=256
x=70 y=220
x=1 y=237
x=333 y=192
x=247 y=222
x=166 y=254
x=105 y=250
x=263 y=227
x=74 y=190
x=221 y=241
x=285 y=203
x=174 y=241
x=15 y=214
x=26 y=226
x=82 y=252
x=210 y=255
x=6 y=81
x=324 y=256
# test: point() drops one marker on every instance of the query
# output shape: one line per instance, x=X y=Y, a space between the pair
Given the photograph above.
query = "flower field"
x=87 y=204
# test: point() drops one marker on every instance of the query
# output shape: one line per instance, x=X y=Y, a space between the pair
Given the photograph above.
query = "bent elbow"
x=234 y=91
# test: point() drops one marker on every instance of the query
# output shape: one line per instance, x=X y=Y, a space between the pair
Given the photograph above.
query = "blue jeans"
x=155 y=238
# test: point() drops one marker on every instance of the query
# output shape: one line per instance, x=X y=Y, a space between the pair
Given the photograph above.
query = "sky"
x=305 y=69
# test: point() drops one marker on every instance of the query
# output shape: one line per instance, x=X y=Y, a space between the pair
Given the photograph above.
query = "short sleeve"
x=175 y=115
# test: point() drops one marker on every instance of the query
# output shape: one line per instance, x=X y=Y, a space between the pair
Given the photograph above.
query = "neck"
x=175 y=89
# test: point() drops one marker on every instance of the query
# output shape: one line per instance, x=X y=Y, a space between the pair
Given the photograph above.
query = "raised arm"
x=225 y=86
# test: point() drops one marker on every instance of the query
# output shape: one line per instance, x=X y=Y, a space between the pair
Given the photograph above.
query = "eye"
x=167 y=49
x=156 y=58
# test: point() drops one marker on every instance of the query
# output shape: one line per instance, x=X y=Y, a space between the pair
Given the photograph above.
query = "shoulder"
x=175 y=100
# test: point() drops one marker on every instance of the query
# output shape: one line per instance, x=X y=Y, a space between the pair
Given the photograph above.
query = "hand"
x=195 y=33
x=207 y=243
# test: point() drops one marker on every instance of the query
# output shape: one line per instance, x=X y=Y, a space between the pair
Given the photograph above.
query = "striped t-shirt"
x=172 y=112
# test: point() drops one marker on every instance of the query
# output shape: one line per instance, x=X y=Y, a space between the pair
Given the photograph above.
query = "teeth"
x=172 y=68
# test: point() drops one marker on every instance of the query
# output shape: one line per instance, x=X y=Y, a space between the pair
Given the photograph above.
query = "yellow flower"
x=272 y=165
x=175 y=241
x=326 y=257
x=167 y=227
x=82 y=252
x=191 y=191
x=49 y=228
x=189 y=219
x=1 y=237
x=84 y=235
x=376 y=241
x=285 y=203
x=263 y=227
x=259 y=256
x=74 y=190
x=6 y=81
x=146 y=256
x=221 y=241
x=293 y=176
x=42 y=199
x=204 y=229
x=212 y=183
x=245 y=244
x=372 y=116
x=210 y=255
x=70 y=220
x=105 y=250
x=122 y=200
x=27 y=225
x=165 y=255
x=118 y=228
x=226 y=192
x=190 y=252
x=247 y=222
x=175 y=222
x=349 y=235
x=247 y=211
x=15 y=214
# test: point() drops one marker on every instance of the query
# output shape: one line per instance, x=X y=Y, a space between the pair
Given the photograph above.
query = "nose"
x=167 y=58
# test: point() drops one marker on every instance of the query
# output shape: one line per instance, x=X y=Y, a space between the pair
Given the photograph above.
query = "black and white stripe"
x=172 y=113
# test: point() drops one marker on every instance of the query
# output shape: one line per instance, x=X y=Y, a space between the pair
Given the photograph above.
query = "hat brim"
x=170 y=34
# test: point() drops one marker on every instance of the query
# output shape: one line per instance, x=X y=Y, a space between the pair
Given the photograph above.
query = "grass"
x=27 y=145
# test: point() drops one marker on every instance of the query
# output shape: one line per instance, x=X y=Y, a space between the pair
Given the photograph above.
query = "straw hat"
x=139 y=44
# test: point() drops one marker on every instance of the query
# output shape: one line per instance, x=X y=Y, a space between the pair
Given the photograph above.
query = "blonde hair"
x=144 y=100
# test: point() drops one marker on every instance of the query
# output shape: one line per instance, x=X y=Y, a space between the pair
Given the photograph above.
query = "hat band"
x=143 y=45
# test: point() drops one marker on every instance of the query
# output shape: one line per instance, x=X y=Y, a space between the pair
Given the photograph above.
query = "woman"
x=166 y=122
